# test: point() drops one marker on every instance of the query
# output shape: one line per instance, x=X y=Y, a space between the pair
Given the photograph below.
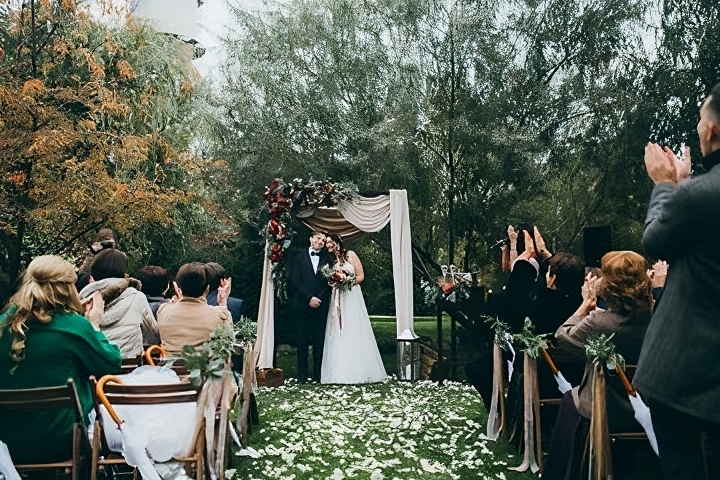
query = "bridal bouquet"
x=338 y=278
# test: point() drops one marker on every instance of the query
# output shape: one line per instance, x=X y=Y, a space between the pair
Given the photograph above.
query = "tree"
x=92 y=132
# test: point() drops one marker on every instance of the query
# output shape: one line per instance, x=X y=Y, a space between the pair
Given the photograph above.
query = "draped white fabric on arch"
x=352 y=220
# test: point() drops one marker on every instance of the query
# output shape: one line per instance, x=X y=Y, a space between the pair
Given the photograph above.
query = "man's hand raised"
x=664 y=167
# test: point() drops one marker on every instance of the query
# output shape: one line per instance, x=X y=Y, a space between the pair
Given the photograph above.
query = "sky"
x=207 y=24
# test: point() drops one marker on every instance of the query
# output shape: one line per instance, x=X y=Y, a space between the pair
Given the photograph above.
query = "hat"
x=109 y=263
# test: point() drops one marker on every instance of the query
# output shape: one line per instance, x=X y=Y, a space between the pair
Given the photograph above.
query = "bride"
x=351 y=353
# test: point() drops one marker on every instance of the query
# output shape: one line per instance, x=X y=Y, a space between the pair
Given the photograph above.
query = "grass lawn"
x=385 y=330
x=392 y=430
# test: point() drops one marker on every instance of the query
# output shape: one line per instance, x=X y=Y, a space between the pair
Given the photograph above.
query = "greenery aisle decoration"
x=392 y=430
x=209 y=361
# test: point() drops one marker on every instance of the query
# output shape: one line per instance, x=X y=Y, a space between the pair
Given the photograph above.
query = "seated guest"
x=128 y=321
x=154 y=282
x=626 y=287
x=217 y=274
x=512 y=303
x=44 y=341
x=190 y=320
x=597 y=273
x=105 y=239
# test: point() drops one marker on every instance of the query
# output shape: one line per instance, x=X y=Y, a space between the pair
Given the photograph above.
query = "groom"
x=308 y=301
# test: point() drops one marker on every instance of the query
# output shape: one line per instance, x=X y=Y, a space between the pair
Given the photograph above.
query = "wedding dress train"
x=351 y=353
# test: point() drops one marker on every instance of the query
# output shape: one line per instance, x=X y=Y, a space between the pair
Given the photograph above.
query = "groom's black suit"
x=304 y=284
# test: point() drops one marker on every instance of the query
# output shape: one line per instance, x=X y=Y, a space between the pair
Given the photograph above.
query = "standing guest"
x=308 y=302
x=627 y=289
x=190 y=320
x=155 y=283
x=679 y=370
x=658 y=274
x=44 y=341
x=217 y=274
x=555 y=303
x=128 y=321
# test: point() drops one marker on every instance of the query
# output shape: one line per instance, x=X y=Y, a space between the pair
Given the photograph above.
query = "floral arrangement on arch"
x=286 y=201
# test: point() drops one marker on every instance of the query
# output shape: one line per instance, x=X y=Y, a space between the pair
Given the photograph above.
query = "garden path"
x=392 y=430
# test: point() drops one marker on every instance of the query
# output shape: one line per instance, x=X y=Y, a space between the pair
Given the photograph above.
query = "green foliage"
x=500 y=329
x=528 y=341
x=209 y=361
x=601 y=349
x=488 y=113
x=246 y=331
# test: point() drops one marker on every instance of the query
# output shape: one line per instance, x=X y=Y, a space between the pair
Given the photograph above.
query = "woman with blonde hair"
x=44 y=341
x=627 y=289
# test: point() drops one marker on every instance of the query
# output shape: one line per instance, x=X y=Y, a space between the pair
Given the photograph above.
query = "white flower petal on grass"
x=337 y=475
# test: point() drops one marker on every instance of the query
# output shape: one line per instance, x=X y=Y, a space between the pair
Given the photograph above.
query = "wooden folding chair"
x=51 y=398
x=155 y=354
x=628 y=374
x=130 y=364
x=601 y=467
x=116 y=393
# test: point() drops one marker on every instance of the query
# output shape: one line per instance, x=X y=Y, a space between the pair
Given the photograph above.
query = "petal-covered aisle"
x=388 y=431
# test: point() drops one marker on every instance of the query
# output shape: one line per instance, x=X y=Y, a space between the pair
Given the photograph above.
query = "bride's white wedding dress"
x=351 y=353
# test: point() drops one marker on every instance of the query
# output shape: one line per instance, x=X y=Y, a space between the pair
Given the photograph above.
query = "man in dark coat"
x=308 y=302
x=155 y=283
x=678 y=370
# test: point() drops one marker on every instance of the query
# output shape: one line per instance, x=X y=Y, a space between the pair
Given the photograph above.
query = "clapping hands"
x=94 y=309
x=664 y=167
x=224 y=291
x=658 y=274
x=589 y=294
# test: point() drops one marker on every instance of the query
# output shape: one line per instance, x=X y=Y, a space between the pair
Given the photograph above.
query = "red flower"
x=274 y=227
x=447 y=288
x=276 y=248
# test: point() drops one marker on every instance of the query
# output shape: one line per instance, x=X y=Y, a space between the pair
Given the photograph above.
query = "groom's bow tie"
x=314 y=254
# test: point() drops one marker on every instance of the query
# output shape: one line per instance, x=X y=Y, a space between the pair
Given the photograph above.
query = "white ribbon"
x=563 y=385
x=530 y=460
x=7 y=468
x=511 y=362
x=496 y=414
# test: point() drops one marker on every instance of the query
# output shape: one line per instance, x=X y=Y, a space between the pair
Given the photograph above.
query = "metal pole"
x=439 y=331
x=453 y=347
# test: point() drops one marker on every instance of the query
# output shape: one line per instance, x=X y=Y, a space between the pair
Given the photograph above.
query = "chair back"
x=130 y=364
x=29 y=400
x=46 y=398
x=133 y=394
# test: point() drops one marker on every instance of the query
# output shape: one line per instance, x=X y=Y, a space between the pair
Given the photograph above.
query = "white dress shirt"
x=315 y=259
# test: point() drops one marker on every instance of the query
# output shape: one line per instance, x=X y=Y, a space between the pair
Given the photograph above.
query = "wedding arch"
x=337 y=208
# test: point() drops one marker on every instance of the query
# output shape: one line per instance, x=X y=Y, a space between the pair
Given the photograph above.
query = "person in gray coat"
x=678 y=371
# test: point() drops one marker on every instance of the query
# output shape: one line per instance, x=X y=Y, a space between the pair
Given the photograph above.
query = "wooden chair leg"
x=76 y=457
x=200 y=463
x=95 y=451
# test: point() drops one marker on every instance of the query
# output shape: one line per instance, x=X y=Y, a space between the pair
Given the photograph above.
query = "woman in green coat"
x=44 y=341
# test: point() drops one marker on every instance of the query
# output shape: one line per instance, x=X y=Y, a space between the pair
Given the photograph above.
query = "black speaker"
x=597 y=241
